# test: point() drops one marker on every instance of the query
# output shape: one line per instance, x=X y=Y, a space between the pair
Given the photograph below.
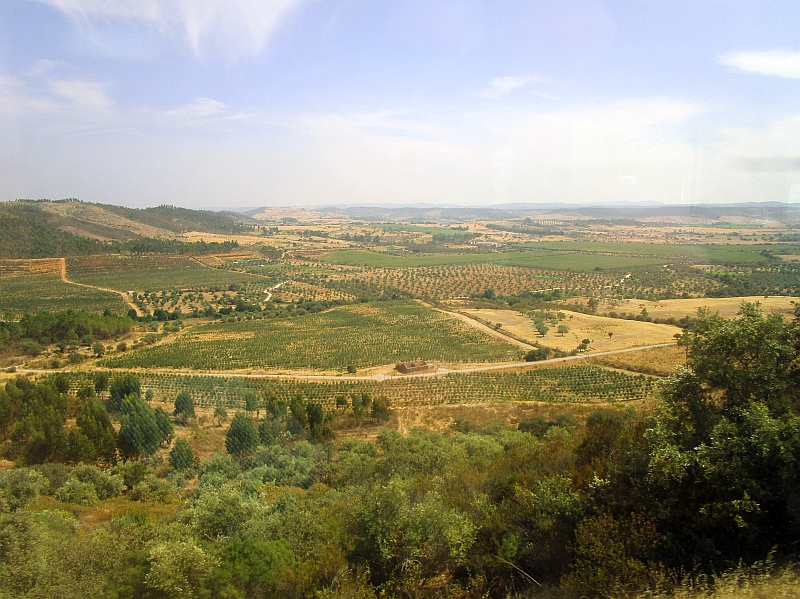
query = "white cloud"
x=777 y=63
x=237 y=27
x=502 y=86
x=89 y=94
x=199 y=108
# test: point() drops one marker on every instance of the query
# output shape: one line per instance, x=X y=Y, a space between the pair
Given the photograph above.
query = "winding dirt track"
x=122 y=294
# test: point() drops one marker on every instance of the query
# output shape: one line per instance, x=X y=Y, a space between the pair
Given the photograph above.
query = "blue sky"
x=226 y=103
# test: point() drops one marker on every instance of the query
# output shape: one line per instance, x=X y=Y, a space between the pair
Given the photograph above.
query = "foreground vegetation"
x=624 y=502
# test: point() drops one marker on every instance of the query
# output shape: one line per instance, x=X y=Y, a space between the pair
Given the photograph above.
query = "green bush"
x=76 y=491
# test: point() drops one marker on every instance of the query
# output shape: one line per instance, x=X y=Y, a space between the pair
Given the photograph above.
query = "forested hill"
x=45 y=229
x=179 y=220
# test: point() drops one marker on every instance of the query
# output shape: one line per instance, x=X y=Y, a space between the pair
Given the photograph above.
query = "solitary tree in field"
x=184 y=407
x=242 y=437
x=562 y=329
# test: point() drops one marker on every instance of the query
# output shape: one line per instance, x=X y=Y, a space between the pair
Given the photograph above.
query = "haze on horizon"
x=212 y=103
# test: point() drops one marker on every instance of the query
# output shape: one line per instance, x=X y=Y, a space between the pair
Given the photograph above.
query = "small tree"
x=562 y=329
x=165 y=427
x=121 y=388
x=99 y=349
x=220 y=414
x=101 y=382
x=181 y=456
x=184 y=407
x=298 y=410
x=242 y=437
x=250 y=402
x=139 y=433
x=381 y=409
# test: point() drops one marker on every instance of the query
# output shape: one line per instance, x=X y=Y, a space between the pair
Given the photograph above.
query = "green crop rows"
x=47 y=292
x=590 y=384
x=533 y=259
x=360 y=335
x=151 y=273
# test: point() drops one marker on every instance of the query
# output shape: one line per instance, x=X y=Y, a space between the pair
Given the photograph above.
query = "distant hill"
x=32 y=229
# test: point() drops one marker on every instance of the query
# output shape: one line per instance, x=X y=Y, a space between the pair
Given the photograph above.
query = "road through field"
x=122 y=294
x=383 y=377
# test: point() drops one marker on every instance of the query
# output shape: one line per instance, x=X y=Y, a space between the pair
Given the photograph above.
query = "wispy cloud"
x=89 y=94
x=776 y=63
x=502 y=86
x=237 y=27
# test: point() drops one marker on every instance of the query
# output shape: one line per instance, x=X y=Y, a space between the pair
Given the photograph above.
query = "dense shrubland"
x=623 y=502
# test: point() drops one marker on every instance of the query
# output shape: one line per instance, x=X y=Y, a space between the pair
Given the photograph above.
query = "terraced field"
x=151 y=273
x=360 y=335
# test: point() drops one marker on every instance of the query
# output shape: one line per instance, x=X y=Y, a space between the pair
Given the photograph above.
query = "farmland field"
x=606 y=334
x=589 y=384
x=659 y=361
x=575 y=261
x=716 y=253
x=360 y=335
x=726 y=306
x=47 y=292
x=147 y=273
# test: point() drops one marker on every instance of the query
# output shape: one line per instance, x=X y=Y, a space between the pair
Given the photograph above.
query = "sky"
x=246 y=103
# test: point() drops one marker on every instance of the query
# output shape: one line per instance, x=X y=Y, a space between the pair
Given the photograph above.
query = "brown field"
x=442 y=417
x=624 y=333
x=727 y=307
x=659 y=361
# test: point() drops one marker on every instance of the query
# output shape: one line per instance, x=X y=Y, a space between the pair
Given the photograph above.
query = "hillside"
x=43 y=228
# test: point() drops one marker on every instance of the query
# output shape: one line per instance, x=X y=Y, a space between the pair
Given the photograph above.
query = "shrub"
x=153 y=489
x=105 y=484
x=21 y=487
x=75 y=491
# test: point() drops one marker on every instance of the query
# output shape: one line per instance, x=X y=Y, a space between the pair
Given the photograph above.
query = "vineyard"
x=589 y=384
x=149 y=273
x=359 y=336
x=29 y=293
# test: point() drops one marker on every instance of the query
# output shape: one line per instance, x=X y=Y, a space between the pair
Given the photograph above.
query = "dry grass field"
x=727 y=307
x=659 y=361
x=606 y=334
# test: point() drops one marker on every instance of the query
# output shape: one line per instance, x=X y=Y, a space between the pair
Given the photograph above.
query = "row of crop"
x=30 y=293
x=150 y=273
x=358 y=335
x=586 y=384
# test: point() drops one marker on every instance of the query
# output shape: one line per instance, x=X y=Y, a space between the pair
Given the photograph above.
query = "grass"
x=151 y=273
x=575 y=261
x=359 y=335
x=659 y=361
x=28 y=293
x=623 y=333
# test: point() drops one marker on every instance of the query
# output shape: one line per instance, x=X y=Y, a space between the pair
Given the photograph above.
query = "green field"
x=716 y=253
x=151 y=273
x=565 y=384
x=359 y=335
x=47 y=292
x=575 y=261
